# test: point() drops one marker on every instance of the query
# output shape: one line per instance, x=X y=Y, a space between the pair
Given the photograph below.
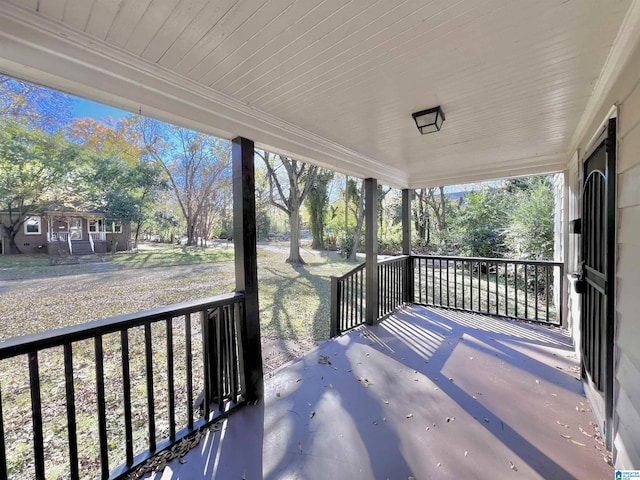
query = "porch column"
x=371 y=242
x=244 y=241
x=407 y=195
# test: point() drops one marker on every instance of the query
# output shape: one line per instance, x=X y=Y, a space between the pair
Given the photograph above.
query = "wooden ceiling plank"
x=205 y=32
x=153 y=18
x=319 y=26
x=126 y=21
x=180 y=19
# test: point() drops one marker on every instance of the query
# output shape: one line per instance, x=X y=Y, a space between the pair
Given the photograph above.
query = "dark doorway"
x=598 y=262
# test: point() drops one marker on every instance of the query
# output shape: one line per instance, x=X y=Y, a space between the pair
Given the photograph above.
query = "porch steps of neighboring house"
x=81 y=247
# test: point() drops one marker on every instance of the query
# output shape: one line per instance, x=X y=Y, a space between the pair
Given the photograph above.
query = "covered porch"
x=427 y=393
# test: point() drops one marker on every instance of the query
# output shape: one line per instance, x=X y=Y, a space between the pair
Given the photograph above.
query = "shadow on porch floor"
x=428 y=393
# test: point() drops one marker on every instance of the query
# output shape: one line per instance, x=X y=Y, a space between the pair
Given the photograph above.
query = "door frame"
x=606 y=135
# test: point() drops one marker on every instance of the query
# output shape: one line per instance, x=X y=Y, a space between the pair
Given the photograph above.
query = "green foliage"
x=317 y=203
x=35 y=170
x=530 y=231
x=479 y=222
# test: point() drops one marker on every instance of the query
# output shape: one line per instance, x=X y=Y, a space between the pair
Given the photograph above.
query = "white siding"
x=627 y=355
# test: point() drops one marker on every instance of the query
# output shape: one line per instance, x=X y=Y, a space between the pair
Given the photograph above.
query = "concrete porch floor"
x=428 y=393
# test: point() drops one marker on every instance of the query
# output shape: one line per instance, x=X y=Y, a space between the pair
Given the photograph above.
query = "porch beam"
x=371 y=242
x=246 y=264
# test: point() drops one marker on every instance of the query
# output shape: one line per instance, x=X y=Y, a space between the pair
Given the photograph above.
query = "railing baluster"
x=36 y=414
x=151 y=411
x=497 y=266
x=471 y=286
x=433 y=281
x=547 y=289
x=71 y=411
x=189 y=367
x=455 y=283
x=440 y=275
x=526 y=291
x=126 y=392
x=448 y=303
x=3 y=451
x=463 y=286
x=218 y=319
x=170 y=381
x=506 y=289
x=536 y=288
x=515 y=282
x=102 y=408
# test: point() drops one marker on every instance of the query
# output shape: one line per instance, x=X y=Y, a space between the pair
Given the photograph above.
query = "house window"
x=94 y=226
x=33 y=226
x=117 y=227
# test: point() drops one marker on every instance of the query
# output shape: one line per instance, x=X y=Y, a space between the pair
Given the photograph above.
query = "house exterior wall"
x=28 y=243
x=625 y=94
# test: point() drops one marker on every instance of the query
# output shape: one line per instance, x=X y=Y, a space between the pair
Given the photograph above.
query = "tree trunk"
x=11 y=234
x=358 y=230
x=294 y=241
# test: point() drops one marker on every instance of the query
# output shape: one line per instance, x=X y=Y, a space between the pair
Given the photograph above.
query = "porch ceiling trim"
x=36 y=49
x=626 y=42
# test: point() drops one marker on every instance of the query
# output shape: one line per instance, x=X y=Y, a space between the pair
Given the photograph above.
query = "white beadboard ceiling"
x=335 y=81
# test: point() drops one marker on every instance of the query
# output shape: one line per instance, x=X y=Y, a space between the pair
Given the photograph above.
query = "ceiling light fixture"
x=429 y=121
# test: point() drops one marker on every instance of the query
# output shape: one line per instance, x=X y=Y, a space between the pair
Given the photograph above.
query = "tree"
x=317 y=203
x=299 y=178
x=530 y=231
x=118 y=178
x=36 y=106
x=35 y=170
x=427 y=203
x=358 y=197
x=480 y=223
x=193 y=162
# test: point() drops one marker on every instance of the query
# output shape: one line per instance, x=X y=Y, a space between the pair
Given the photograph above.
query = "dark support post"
x=371 y=241
x=407 y=194
x=334 y=326
x=246 y=258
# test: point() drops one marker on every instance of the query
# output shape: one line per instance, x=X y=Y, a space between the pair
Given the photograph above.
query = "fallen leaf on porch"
x=309 y=403
x=554 y=394
x=300 y=446
x=436 y=388
x=461 y=338
x=386 y=402
x=328 y=386
x=409 y=415
x=416 y=380
x=466 y=454
x=324 y=359
x=384 y=419
x=278 y=394
x=182 y=461
x=470 y=358
x=312 y=414
x=298 y=380
x=575 y=442
x=451 y=379
x=486 y=420
x=244 y=475
x=537 y=381
x=349 y=371
x=427 y=429
x=478 y=393
x=450 y=419
x=375 y=422
x=566 y=436
x=513 y=467
x=474 y=397
x=439 y=465
x=582 y=430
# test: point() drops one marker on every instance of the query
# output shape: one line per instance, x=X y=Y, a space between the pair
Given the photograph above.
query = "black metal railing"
x=129 y=389
x=517 y=289
x=393 y=286
x=348 y=300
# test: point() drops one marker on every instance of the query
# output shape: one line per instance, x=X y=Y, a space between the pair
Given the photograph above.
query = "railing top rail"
x=550 y=263
x=392 y=259
x=54 y=338
x=350 y=272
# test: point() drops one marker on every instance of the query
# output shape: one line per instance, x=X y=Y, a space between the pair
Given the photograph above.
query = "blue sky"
x=84 y=108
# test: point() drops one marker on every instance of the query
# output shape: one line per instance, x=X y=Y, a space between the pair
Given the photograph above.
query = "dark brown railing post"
x=334 y=327
x=246 y=259
x=408 y=296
